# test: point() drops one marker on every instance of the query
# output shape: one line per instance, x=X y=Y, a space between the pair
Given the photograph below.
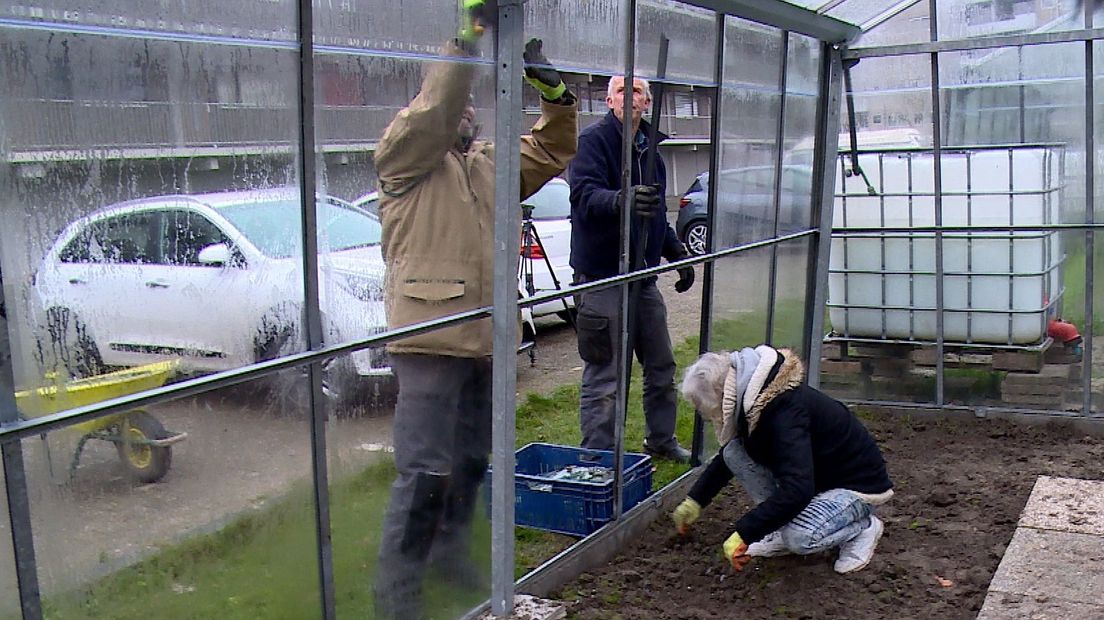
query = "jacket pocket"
x=595 y=346
x=432 y=290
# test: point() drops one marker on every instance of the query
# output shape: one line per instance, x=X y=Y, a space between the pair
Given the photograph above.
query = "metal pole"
x=780 y=136
x=938 y=183
x=1090 y=217
x=15 y=482
x=705 y=336
x=624 y=350
x=508 y=70
x=312 y=314
x=825 y=159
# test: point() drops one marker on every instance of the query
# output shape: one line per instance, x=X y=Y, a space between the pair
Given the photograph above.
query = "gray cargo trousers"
x=599 y=342
x=442 y=437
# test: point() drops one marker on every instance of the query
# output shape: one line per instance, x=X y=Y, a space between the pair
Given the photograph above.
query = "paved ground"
x=1054 y=566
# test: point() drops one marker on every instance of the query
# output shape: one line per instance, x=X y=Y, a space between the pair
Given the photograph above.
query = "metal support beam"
x=776 y=191
x=312 y=314
x=825 y=158
x=15 y=483
x=785 y=16
x=1090 y=217
x=705 y=337
x=624 y=352
x=508 y=69
x=937 y=146
x=994 y=42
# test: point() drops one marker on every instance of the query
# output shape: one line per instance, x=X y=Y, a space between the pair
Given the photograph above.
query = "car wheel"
x=280 y=334
x=144 y=462
x=70 y=349
x=696 y=236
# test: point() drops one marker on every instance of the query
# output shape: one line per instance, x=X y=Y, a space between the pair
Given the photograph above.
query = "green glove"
x=477 y=16
x=686 y=513
x=538 y=72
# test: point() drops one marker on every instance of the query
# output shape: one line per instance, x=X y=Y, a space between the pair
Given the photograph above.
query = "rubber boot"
x=405 y=541
x=450 y=557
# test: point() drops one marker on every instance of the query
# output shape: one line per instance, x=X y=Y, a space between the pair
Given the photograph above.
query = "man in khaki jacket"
x=437 y=210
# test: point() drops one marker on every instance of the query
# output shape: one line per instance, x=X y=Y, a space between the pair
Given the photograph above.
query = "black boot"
x=450 y=557
x=406 y=538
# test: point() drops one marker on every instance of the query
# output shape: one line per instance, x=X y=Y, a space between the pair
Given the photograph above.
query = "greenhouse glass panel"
x=881 y=286
x=230 y=523
x=130 y=160
x=966 y=19
x=910 y=26
x=1013 y=121
x=750 y=109
x=790 y=288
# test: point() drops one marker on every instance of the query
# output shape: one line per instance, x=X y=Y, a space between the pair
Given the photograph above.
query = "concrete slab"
x=1066 y=505
x=1004 y=606
x=1053 y=565
x=532 y=608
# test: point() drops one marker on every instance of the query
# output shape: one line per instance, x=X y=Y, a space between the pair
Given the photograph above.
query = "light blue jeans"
x=831 y=518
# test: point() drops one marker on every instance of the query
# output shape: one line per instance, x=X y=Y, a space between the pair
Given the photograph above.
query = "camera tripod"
x=531 y=244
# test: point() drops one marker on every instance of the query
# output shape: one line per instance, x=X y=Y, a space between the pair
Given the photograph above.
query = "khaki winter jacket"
x=437 y=209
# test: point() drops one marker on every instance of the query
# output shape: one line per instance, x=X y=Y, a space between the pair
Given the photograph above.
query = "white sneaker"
x=772 y=545
x=856 y=553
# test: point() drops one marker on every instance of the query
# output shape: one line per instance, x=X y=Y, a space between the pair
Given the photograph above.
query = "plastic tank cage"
x=214 y=398
x=999 y=289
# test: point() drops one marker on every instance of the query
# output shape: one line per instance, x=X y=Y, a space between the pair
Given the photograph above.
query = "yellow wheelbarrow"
x=143 y=443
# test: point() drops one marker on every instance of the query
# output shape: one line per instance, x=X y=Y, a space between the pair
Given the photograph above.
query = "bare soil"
x=960 y=488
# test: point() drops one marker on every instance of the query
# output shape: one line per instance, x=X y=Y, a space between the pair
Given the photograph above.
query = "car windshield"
x=273 y=226
x=552 y=202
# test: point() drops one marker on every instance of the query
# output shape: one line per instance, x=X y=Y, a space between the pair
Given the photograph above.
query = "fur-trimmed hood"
x=749 y=386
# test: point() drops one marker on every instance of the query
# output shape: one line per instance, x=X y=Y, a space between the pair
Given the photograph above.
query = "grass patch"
x=262 y=563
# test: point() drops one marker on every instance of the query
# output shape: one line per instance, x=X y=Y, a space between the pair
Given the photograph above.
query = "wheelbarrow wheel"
x=144 y=462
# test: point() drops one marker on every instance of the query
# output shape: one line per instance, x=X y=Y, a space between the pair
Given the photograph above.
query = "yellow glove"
x=735 y=551
x=686 y=513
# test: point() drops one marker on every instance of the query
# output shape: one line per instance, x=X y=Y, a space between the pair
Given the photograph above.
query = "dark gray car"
x=747 y=197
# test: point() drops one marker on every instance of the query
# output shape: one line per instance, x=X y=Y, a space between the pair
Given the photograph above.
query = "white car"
x=214 y=280
x=551 y=213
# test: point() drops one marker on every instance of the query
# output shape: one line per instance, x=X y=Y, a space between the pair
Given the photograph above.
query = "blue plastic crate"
x=568 y=506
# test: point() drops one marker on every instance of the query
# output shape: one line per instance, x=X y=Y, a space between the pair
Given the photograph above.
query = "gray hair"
x=703 y=383
x=646 y=83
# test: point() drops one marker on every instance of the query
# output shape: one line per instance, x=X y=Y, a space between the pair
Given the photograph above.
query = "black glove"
x=538 y=72
x=648 y=201
x=686 y=274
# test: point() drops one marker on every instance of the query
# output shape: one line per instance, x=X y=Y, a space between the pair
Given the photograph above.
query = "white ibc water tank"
x=997 y=287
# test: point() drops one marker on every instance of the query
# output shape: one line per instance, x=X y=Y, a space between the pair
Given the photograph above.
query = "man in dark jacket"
x=596 y=201
x=812 y=469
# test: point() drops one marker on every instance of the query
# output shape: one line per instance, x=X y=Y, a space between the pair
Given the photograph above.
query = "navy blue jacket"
x=595 y=177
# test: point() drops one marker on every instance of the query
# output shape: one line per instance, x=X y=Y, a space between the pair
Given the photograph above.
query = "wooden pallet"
x=954 y=356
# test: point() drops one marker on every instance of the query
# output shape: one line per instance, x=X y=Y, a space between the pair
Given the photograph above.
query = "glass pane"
x=156 y=171
x=740 y=300
x=909 y=26
x=750 y=108
x=881 y=287
x=790 y=285
x=221 y=518
x=409 y=445
x=795 y=204
x=690 y=30
x=963 y=19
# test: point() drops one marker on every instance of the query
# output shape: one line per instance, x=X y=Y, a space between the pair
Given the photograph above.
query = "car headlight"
x=364 y=288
